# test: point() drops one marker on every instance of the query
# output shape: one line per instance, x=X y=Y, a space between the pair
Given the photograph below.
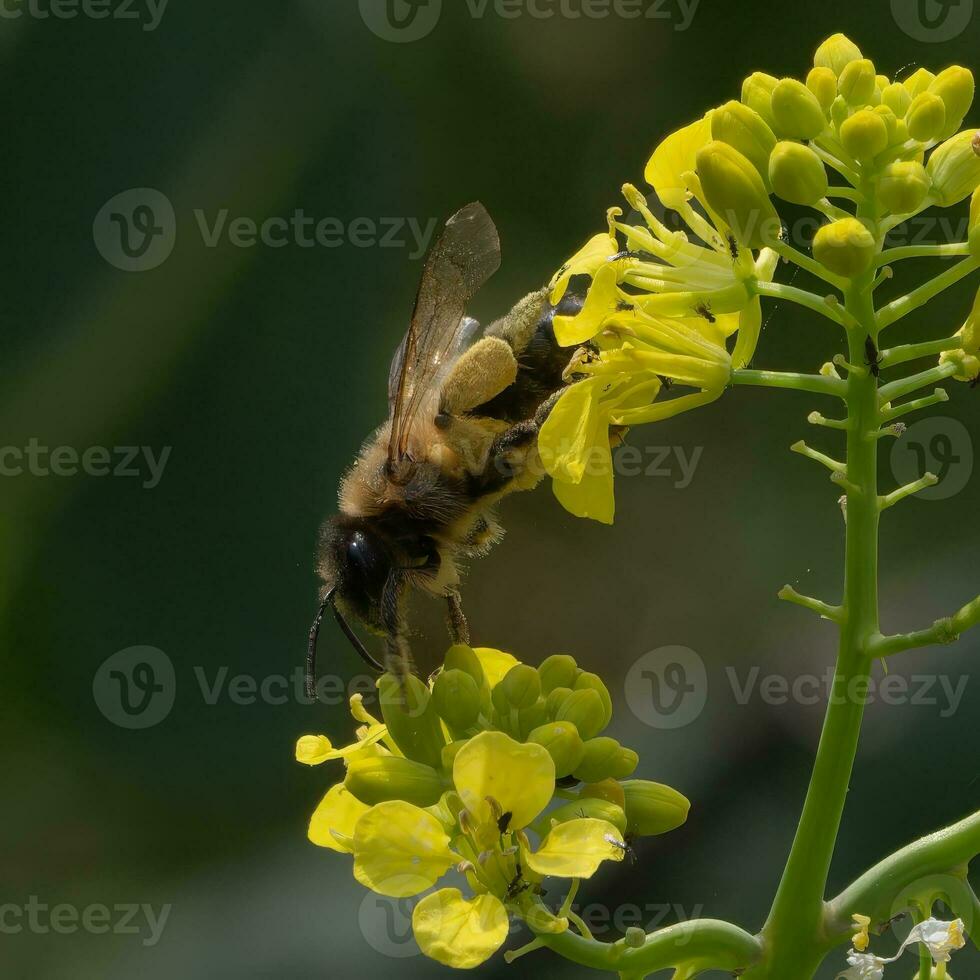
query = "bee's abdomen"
x=541 y=362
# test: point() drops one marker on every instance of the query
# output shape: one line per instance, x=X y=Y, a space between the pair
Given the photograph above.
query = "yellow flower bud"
x=954 y=167
x=585 y=710
x=735 y=191
x=375 y=779
x=456 y=697
x=739 y=126
x=582 y=809
x=594 y=683
x=411 y=717
x=796 y=111
x=903 y=186
x=882 y=82
x=919 y=82
x=890 y=120
x=556 y=698
x=757 y=94
x=605 y=758
x=652 y=808
x=955 y=86
x=797 y=174
x=563 y=743
x=608 y=789
x=558 y=670
x=857 y=82
x=836 y=53
x=520 y=687
x=822 y=82
x=845 y=247
x=926 y=117
x=896 y=97
x=464 y=658
x=864 y=135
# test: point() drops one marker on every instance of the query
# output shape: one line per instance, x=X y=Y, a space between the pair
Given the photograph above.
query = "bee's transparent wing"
x=462 y=260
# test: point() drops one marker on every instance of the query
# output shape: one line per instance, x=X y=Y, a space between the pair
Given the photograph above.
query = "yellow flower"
x=458 y=932
x=520 y=777
x=861 y=939
x=312 y=750
x=400 y=849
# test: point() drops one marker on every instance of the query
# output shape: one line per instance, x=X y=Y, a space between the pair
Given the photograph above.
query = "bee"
x=465 y=406
x=873 y=357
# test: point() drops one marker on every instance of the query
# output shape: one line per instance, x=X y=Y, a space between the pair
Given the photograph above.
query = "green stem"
x=795 y=928
x=817 y=384
x=818 y=304
x=701 y=944
x=923 y=251
x=904 y=305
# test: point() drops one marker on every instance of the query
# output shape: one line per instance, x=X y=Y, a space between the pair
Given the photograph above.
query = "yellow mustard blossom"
x=487 y=807
x=663 y=309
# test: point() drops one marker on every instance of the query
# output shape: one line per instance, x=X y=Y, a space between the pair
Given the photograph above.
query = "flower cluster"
x=494 y=770
x=662 y=305
x=940 y=939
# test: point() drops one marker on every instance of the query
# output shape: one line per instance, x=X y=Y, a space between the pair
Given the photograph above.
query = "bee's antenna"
x=348 y=632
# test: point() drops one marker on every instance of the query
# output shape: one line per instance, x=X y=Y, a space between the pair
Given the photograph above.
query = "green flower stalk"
x=502 y=770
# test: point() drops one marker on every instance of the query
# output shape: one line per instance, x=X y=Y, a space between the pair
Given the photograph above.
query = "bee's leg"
x=398 y=655
x=459 y=628
x=509 y=452
x=479 y=375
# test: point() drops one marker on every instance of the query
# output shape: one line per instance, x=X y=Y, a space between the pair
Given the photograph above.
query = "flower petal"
x=585 y=261
x=520 y=777
x=576 y=849
x=333 y=821
x=572 y=430
x=495 y=663
x=458 y=932
x=400 y=850
x=601 y=301
x=675 y=156
x=592 y=497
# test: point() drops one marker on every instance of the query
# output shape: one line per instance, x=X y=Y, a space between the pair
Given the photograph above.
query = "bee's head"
x=357 y=562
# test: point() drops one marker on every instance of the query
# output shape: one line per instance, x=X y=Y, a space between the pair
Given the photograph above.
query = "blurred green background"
x=263 y=368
